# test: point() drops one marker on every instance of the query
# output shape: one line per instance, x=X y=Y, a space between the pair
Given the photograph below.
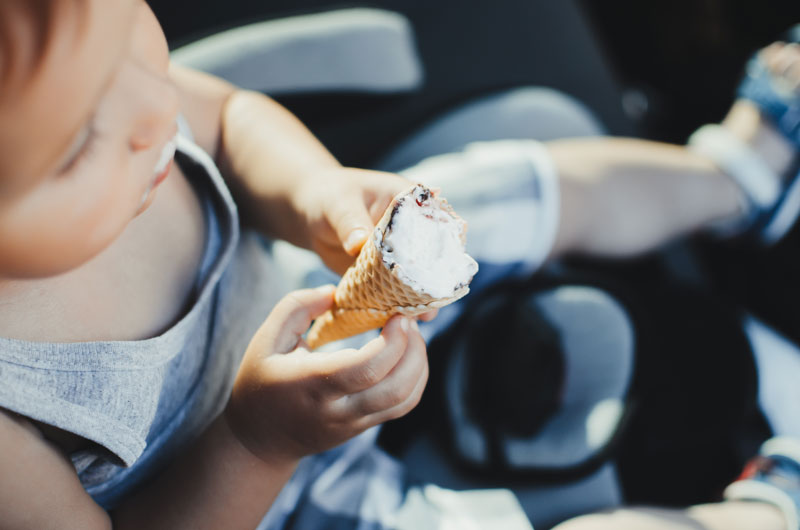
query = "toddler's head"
x=86 y=110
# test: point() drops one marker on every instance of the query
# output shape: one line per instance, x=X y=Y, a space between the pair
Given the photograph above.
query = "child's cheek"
x=148 y=43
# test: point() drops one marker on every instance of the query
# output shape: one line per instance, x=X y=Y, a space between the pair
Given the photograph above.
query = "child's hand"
x=289 y=402
x=342 y=207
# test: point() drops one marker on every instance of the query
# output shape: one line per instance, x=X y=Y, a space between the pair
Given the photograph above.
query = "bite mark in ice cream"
x=423 y=244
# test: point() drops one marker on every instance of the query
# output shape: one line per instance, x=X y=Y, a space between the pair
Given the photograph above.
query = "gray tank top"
x=141 y=401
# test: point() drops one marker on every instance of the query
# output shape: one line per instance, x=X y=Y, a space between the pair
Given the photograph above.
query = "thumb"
x=352 y=224
x=282 y=331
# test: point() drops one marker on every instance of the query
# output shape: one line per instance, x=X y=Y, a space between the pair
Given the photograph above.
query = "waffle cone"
x=369 y=294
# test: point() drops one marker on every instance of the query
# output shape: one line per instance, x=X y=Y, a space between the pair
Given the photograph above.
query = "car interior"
x=364 y=76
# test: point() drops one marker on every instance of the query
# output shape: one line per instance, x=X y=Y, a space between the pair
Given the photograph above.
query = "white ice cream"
x=166 y=156
x=423 y=244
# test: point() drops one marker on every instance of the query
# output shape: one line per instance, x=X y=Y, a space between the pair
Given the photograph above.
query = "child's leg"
x=612 y=197
x=587 y=194
x=720 y=516
x=618 y=197
x=621 y=197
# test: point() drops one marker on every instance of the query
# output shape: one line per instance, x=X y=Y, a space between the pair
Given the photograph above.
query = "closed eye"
x=81 y=148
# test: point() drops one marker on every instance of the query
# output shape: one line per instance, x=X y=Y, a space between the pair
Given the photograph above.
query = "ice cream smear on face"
x=423 y=245
x=167 y=154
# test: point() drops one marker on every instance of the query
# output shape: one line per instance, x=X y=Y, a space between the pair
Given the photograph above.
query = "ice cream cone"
x=372 y=290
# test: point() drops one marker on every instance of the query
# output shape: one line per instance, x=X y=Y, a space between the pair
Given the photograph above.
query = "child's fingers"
x=291 y=317
x=351 y=371
x=399 y=410
x=350 y=220
x=430 y=315
x=396 y=389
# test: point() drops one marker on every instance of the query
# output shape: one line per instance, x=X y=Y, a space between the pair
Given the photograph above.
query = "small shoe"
x=777 y=98
x=772 y=477
x=773 y=200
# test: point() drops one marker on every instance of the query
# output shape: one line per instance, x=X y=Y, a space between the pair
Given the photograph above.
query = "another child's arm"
x=287 y=403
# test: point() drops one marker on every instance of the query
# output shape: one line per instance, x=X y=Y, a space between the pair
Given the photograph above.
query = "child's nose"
x=156 y=121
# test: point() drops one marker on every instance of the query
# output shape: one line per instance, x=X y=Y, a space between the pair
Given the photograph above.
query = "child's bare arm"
x=38 y=486
x=215 y=484
x=287 y=185
x=202 y=98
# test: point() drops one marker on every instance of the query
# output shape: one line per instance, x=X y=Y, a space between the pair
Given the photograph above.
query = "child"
x=128 y=296
x=119 y=328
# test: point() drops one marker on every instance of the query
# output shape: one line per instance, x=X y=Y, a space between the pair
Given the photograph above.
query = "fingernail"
x=355 y=238
x=404 y=324
x=326 y=288
x=415 y=325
